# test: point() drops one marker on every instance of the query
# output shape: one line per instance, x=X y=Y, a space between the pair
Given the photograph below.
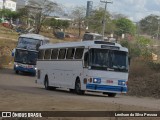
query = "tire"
x=46 y=83
x=110 y=94
x=17 y=72
x=72 y=90
x=78 y=87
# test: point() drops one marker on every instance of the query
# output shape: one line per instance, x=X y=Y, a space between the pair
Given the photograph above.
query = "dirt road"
x=21 y=93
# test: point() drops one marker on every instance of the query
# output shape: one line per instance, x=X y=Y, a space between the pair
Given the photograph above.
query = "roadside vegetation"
x=144 y=75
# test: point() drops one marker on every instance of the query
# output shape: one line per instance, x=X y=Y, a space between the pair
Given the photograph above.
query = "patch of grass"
x=6 y=47
x=143 y=80
x=8 y=33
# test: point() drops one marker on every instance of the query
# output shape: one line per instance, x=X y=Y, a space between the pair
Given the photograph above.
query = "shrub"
x=5 y=60
x=154 y=65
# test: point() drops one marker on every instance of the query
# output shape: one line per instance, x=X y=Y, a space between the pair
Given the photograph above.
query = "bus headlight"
x=96 y=80
x=16 y=65
x=122 y=82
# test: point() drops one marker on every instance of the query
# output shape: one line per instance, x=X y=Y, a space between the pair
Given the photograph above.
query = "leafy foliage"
x=8 y=14
x=139 y=48
x=149 y=24
x=96 y=19
x=37 y=11
x=57 y=23
x=78 y=14
x=124 y=26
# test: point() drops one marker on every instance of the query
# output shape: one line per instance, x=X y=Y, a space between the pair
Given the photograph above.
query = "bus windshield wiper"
x=118 y=67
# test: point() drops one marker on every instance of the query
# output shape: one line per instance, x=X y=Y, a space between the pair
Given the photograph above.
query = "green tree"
x=61 y=24
x=78 y=14
x=96 y=19
x=65 y=24
x=124 y=26
x=8 y=14
x=39 y=10
x=149 y=24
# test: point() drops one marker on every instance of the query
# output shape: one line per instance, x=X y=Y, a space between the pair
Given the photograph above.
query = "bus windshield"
x=104 y=59
x=26 y=57
x=28 y=43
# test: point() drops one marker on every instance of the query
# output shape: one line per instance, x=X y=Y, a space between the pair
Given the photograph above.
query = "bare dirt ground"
x=21 y=93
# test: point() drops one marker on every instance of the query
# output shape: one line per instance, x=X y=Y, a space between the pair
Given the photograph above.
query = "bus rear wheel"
x=78 y=87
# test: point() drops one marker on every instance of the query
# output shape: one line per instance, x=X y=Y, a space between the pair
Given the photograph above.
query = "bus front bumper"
x=106 y=88
x=22 y=69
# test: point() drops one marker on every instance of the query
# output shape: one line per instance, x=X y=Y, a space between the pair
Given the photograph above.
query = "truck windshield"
x=26 y=57
x=104 y=59
x=28 y=43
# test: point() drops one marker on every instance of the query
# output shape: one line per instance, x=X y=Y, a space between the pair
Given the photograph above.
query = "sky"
x=135 y=10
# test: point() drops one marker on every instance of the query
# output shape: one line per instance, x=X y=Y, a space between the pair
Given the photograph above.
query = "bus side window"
x=70 y=53
x=40 y=54
x=86 y=58
x=54 y=54
x=79 y=53
x=62 y=53
x=47 y=54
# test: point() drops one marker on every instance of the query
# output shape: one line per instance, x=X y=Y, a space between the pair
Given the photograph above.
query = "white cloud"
x=134 y=9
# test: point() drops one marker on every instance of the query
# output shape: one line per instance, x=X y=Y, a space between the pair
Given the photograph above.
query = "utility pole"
x=3 y=8
x=4 y=4
x=104 y=17
x=158 y=30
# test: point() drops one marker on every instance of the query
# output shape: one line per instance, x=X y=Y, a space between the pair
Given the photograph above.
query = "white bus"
x=26 y=52
x=92 y=36
x=84 y=66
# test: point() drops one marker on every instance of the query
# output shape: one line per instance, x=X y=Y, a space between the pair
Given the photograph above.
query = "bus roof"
x=85 y=44
x=34 y=36
x=93 y=34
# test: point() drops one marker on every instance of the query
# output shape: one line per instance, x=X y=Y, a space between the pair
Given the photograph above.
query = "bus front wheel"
x=78 y=87
x=46 y=83
x=110 y=94
x=17 y=72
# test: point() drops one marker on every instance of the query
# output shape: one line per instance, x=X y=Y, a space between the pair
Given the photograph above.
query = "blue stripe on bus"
x=31 y=70
x=106 y=88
